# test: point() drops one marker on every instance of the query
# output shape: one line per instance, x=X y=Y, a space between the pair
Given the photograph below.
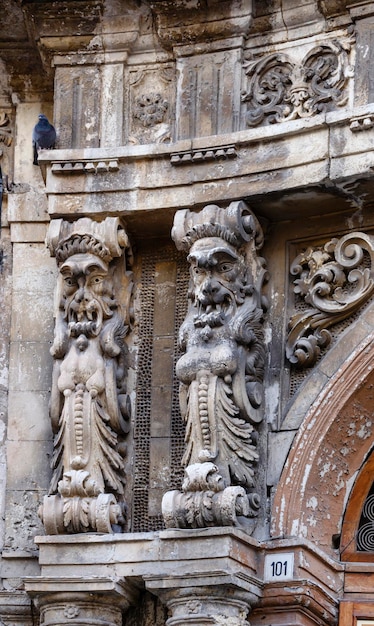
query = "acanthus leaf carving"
x=334 y=280
x=221 y=368
x=89 y=407
x=280 y=89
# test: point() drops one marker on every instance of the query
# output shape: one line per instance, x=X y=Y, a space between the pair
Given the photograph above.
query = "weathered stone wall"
x=161 y=107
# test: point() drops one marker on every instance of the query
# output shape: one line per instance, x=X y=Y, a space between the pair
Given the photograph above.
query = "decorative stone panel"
x=284 y=86
x=151 y=98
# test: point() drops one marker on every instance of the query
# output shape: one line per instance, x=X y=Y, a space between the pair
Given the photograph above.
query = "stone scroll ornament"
x=89 y=408
x=280 y=89
x=221 y=369
x=332 y=282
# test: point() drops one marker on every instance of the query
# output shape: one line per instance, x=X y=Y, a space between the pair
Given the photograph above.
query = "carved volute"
x=221 y=369
x=90 y=408
x=332 y=281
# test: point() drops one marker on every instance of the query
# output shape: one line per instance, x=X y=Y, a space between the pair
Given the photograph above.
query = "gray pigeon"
x=43 y=136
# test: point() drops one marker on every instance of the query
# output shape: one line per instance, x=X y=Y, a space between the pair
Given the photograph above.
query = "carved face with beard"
x=219 y=281
x=87 y=294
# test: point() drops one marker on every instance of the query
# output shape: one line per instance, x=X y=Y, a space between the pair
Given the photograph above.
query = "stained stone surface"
x=160 y=107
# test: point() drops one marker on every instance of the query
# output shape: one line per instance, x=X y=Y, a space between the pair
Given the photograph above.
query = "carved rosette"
x=150 y=109
x=280 y=88
x=333 y=280
x=221 y=369
x=151 y=98
x=90 y=408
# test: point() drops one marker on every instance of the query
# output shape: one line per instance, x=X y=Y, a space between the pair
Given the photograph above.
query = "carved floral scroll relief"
x=281 y=88
x=90 y=408
x=221 y=368
x=332 y=281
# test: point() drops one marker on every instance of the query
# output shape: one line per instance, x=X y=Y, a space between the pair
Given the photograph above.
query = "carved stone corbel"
x=89 y=408
x=334 y=280
x=221 y=370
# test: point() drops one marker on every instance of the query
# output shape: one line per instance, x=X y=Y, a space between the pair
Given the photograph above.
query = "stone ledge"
x=180 y=565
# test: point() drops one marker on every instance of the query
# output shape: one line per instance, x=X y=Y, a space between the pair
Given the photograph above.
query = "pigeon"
x=43 y=136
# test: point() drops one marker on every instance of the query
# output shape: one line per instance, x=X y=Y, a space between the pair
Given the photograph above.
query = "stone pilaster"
x=209 y=67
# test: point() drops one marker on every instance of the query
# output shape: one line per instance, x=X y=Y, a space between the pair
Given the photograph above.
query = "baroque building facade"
x=187 y=325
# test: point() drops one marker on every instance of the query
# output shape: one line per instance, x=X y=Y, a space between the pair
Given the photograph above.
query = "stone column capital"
x=209 y=604
x=77 y=600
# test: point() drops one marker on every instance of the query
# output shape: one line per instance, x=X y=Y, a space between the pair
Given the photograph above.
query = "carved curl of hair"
x=82 y=244
x=201 y=231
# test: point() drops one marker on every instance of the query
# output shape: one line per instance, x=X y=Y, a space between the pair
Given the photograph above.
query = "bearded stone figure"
x=90 y=408
x=221 y=369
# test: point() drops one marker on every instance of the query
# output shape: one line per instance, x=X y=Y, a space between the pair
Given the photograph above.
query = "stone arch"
x=363 y=487
x=331 y=445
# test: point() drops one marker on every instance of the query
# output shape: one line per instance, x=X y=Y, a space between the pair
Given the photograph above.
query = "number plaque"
x=279 y=566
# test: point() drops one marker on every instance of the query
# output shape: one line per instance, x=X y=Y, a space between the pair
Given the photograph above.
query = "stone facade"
x=186 y=297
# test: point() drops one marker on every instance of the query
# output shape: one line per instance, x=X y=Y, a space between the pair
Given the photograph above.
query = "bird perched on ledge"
x=43 y=136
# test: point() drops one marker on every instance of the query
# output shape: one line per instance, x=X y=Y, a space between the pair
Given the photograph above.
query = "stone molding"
x=85 y=167
x=189 y=157
x=362 y=122
x=334 y=281
x=90 y=408
x=15 y=608
x=338 y=419
x=140 y=170
x=201 y=575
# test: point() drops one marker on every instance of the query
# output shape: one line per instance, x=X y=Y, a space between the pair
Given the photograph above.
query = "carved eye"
x=225 y=267
x=69 y=281
x=97 y=280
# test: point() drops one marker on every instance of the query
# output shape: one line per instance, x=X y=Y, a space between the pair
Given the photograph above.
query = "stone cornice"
x=178 y=24
x=175 y=563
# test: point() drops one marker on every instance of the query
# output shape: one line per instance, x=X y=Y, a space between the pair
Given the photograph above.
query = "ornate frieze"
x=221 y=369
x=282 y=88
x=332 y=281
x=90 y=408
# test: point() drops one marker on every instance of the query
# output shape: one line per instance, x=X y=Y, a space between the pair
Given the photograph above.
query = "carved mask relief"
x=90 y=408
x=221 y=368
